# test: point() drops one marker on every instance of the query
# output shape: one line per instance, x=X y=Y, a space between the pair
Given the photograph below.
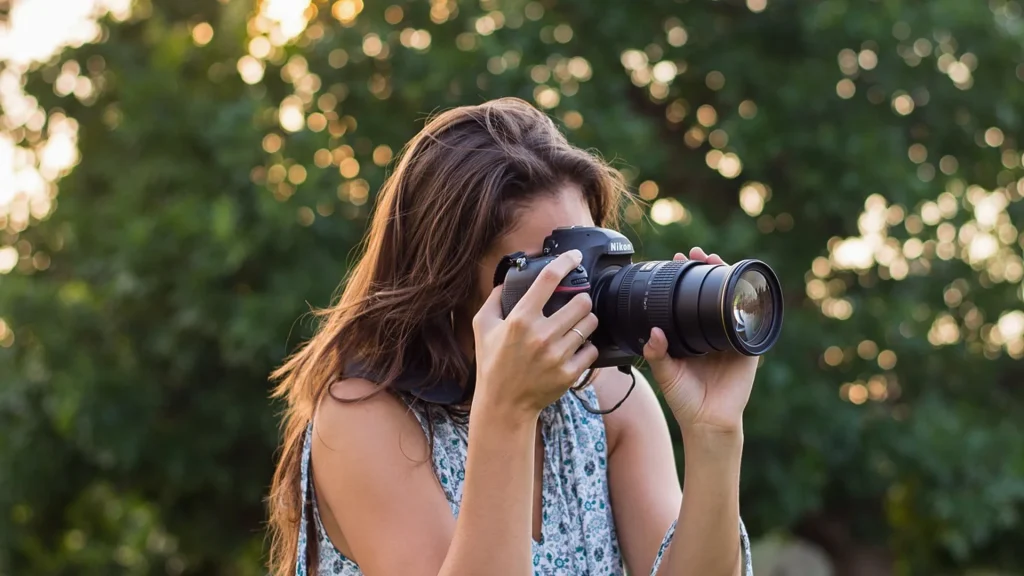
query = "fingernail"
x=577 y=256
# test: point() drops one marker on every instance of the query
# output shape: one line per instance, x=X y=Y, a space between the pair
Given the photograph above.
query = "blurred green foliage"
x=209 y=212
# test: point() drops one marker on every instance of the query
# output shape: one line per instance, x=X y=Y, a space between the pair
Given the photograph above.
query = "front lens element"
x=752 y=308
x=700 y=307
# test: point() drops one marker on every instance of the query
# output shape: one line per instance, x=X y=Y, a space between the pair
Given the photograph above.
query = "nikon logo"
x=620 y=247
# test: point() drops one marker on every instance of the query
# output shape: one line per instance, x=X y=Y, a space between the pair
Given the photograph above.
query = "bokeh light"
x=36 y=148
x=926 y=203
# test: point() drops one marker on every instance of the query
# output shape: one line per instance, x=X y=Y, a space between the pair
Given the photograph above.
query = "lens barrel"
x=701 y=307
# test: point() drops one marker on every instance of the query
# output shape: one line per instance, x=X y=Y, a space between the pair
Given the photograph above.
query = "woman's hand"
x=527 y=361
x=705 y=393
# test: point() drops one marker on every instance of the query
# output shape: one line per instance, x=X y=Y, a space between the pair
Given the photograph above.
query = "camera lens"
x=751 y=306
x=701 y=307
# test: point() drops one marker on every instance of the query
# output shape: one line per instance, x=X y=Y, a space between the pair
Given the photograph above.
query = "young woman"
x=520 y=479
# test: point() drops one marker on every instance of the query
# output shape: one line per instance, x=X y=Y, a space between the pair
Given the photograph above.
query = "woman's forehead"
x=536 y=219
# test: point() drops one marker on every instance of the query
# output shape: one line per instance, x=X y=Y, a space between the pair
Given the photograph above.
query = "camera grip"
x=519 y=279
x=510 y=296
x=559 y=299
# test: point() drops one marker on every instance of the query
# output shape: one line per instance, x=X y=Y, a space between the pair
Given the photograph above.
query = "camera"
x=701 y=307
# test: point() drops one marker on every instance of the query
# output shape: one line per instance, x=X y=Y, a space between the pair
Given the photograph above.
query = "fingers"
x=548 y=279
x=698 y=253
x=583 y=358
x=567 y=316
x=490 y=313
x=572 y=341
x=656 y=348
x=656 y=354
x=715 y=259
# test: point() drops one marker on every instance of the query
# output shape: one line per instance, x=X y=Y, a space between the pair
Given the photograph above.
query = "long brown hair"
x=455 y=189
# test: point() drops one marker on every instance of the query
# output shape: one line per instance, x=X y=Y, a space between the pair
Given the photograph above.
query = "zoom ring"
x=624 y=291
x=659 y=296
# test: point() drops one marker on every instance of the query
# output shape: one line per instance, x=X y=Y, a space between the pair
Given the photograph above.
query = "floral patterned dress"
x=578 y=530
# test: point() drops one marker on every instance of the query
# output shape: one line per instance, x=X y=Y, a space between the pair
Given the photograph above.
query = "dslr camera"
x=701 y=307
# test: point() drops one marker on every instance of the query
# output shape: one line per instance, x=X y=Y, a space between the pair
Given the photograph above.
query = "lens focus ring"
x=623 y=297
x=659 y=299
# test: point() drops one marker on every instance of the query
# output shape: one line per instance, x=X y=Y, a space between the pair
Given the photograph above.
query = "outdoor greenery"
x=229 y=154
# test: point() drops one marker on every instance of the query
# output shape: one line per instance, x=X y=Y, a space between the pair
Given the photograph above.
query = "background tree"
x=230 y=152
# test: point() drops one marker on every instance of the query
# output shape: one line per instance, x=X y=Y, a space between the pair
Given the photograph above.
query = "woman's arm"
x=706 y=395
x=382 y=503
x=495 y=521
x=642 y=477
x=707 y=536
x=645 y=493
x=389 y=507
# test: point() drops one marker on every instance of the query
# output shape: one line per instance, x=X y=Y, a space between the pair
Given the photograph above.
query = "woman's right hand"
x=527 y=361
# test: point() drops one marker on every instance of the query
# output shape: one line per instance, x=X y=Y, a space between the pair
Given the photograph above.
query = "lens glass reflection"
x=752 y=308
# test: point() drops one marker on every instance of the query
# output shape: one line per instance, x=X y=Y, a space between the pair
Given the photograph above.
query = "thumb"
x=490 y=314
x=656 y=354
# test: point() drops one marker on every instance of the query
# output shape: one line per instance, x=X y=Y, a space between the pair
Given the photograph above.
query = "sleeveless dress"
x=578 y=531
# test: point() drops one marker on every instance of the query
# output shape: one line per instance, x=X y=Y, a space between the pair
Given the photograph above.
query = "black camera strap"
x=507 y=261
x=418 y=383
x=447 y=392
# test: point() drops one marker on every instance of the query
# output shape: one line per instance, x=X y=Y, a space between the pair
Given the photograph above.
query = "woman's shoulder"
x=357 y=415
x=641 y=407
x=372 y=474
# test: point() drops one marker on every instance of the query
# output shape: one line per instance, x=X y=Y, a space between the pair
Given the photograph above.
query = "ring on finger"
x=580 y=334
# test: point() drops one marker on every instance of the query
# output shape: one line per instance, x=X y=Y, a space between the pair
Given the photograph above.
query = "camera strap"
x=417 y=383
x=507 y=262
x=448 y=392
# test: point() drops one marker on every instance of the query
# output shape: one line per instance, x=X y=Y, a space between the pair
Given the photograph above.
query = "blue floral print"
x=578 y=530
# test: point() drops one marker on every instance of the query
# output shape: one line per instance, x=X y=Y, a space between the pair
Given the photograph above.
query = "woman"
x=377 y=481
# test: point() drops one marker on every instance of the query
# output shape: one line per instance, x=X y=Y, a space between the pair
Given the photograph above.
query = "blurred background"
x=181 y=180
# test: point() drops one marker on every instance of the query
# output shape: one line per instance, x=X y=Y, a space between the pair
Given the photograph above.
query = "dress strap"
x=301 y=569
x=746 y=564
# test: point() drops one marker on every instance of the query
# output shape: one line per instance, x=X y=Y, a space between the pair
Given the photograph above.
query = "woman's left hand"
x=705 y=393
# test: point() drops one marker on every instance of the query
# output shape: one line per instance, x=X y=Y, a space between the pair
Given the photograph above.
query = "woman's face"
x=535 y=221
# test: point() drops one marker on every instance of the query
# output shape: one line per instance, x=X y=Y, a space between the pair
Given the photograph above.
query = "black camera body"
x=604 y=251
x=701 y=307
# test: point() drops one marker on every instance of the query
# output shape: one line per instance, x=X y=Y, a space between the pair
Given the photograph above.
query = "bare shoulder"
x=640 y=409
x=357 y=415
x=375 y=483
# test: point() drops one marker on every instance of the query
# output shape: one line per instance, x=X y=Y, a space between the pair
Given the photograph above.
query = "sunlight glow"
x=668 y=210
x=8 y=259
x=753 y=197
x=988 y=242
x=289 y=18
x=47 y=146
x=959 y=222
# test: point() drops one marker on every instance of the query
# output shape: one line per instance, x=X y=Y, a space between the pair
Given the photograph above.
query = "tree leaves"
x=201 y=224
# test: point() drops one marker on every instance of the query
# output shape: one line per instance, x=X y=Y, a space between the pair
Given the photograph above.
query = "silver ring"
x=580 y=334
